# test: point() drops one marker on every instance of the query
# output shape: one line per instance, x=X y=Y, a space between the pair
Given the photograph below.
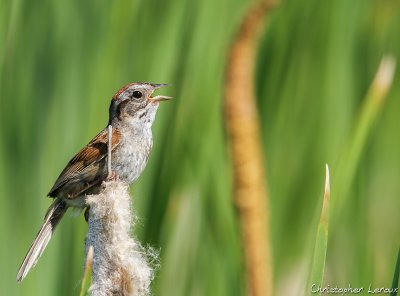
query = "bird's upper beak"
x=159 y=98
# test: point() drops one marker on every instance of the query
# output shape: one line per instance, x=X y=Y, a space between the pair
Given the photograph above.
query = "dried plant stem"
x=242 y=122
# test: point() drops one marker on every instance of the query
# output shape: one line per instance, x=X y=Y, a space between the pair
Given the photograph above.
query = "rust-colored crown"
x=121 y=90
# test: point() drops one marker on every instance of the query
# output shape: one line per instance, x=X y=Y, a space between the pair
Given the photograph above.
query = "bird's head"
x=135 y=104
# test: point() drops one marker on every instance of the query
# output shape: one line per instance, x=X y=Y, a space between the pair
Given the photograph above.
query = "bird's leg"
x=111 y=176
x=109 y=151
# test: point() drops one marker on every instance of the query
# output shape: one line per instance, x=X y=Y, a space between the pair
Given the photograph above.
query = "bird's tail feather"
x=53 y=216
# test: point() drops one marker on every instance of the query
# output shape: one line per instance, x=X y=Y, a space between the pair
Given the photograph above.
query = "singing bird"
x=131 y=115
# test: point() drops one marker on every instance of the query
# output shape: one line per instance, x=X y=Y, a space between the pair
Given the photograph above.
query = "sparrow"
x=131 y=114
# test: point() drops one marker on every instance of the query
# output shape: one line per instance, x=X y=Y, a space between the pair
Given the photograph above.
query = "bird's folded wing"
x=84 y=167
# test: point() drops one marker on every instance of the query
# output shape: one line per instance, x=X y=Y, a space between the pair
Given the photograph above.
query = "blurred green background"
x=60 y=63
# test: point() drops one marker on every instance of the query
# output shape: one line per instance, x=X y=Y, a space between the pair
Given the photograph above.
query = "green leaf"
x=395 y=283
x=318 y=262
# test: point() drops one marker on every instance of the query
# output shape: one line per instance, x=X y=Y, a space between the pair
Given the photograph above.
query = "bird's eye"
x=137 y=94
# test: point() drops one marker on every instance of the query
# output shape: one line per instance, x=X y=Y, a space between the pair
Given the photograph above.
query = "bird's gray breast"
x=130 y=157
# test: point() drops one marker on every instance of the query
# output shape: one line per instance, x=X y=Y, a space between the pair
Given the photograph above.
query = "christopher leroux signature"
x=315 y=288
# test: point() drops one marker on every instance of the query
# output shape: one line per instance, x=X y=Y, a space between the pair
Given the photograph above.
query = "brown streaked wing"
x=85 y=160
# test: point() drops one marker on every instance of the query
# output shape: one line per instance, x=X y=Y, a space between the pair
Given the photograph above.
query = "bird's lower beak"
x=160 y=98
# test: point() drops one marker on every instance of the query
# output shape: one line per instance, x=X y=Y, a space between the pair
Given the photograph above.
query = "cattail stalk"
x=243 y=126
x=120 y=264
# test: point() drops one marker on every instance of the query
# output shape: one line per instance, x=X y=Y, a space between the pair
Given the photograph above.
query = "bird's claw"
x=112 y=177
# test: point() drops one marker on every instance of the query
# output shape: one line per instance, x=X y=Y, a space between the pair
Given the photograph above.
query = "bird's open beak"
x=159 y=98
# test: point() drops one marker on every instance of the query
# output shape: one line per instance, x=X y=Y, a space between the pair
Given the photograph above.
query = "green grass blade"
x=395 y=283
x=370 y=110
x=318 y=262
x=87 y=275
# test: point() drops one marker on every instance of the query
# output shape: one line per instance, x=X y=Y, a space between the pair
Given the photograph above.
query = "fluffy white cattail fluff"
x=120 y=265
